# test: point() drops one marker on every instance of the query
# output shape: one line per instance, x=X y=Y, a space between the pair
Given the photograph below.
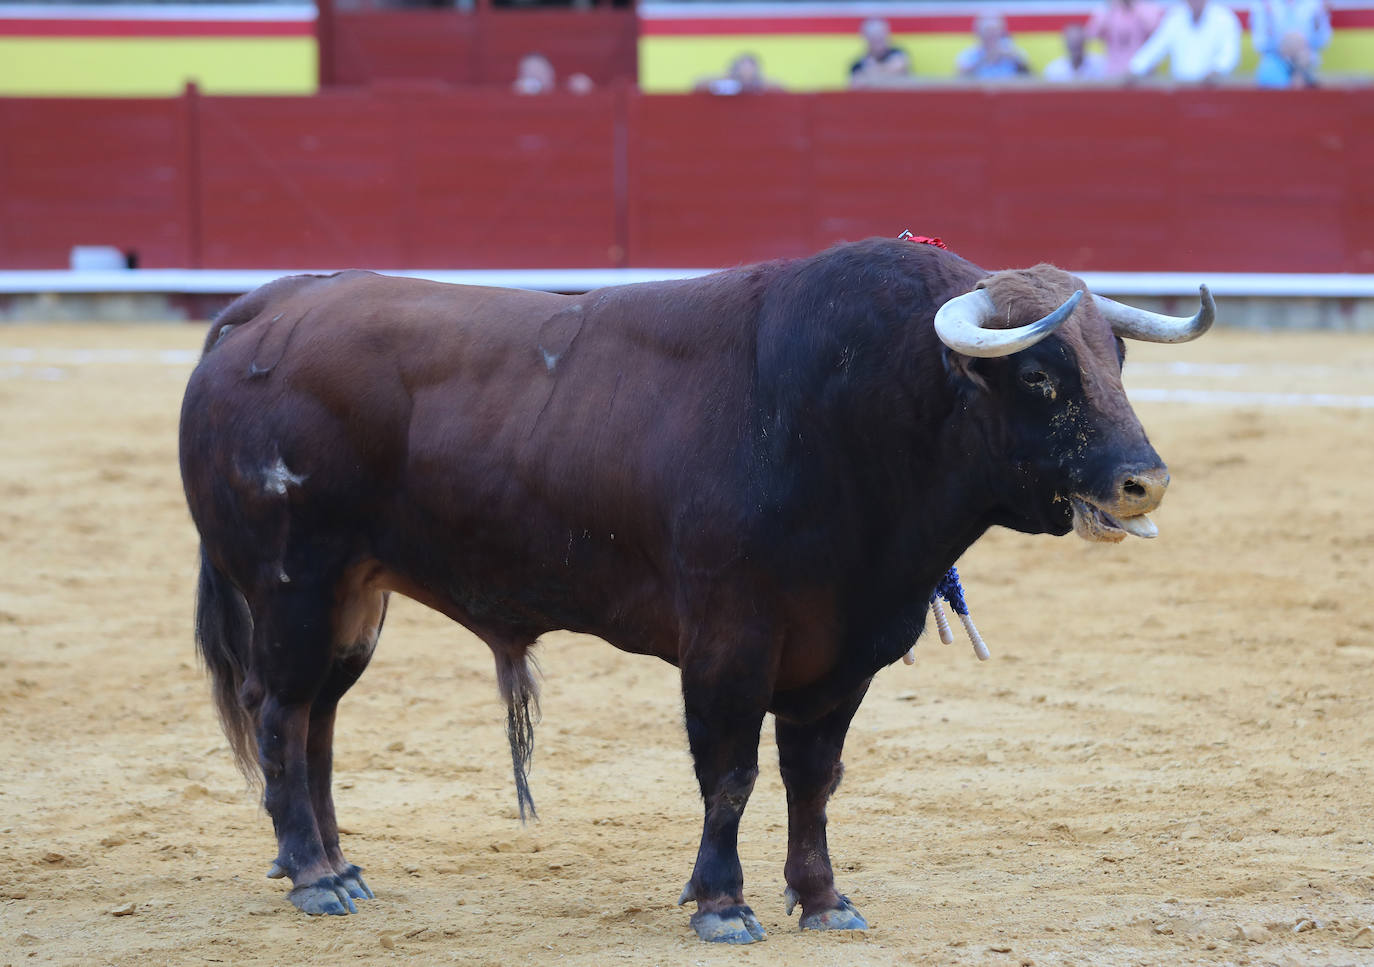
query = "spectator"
x=535 y=75
x=879 y=56
x=1123 y=26
x=994 y=56
x=1201 y=38
x=1078 y=64
x=1289 y=36
x=744 y=76
x=894 y=72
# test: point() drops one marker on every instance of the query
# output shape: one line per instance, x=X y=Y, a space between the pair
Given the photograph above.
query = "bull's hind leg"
x=725 y=704
x=809 y=759
x=357 y=624
x=293 y=640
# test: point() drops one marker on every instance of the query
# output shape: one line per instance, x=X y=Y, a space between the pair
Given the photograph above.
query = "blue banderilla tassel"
x=952 y=591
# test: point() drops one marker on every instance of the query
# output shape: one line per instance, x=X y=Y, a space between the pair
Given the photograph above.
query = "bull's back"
x=469 y=408
x=345 y=354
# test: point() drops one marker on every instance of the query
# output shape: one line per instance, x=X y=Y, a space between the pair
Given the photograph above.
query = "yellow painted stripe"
x=820 y=62
x=156 y=66
x=1351 y=52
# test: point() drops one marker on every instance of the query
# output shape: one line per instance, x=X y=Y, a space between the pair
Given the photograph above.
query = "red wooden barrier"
x=718 y=180
x=481 y=47
x=418 y=179
x=433 y=177
x=96 y=172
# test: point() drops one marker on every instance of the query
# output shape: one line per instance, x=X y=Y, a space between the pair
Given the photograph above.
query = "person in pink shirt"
x=1122 y=26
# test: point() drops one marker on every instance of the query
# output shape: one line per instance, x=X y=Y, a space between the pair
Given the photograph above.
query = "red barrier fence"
x=1135 y=180
x=479 y=47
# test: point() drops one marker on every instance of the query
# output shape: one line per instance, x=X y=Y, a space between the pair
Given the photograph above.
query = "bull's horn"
x=960 y=325
x=1129 y=322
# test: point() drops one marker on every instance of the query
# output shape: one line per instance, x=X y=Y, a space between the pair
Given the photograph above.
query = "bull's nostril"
x=1133 y=488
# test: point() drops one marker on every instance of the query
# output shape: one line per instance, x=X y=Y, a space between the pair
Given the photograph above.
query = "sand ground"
x=1167 y=761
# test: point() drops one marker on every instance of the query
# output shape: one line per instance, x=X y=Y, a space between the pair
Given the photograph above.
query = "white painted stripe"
x=1215 y=397
x=236 y=281
x=1309 y=372
x=1326 y=285
x=98 y=357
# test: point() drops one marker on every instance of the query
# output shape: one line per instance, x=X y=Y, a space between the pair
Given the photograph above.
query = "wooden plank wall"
x=433 y=177
x=481 y=48
x=95 y=171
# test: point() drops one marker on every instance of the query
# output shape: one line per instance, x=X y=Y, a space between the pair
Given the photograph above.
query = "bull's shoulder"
x=706 y=318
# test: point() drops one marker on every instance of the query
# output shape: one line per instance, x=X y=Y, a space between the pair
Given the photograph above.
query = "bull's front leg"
x=724 y=711
x=809 y=759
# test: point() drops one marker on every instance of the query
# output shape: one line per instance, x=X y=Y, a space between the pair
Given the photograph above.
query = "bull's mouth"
x=1092 y=523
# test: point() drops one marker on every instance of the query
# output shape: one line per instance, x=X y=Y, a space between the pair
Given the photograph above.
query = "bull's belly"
x=506 y=600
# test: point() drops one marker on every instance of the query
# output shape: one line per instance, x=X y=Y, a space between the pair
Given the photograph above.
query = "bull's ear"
x=963 y=370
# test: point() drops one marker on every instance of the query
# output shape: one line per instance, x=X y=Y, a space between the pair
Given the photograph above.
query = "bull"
x=758 y=476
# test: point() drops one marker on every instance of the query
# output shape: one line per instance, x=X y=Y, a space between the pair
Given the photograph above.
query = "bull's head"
x=1045 y=365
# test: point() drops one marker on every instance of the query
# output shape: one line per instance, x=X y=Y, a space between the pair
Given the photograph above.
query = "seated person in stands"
x=535 y=75
x=894 y=71
x=1078 y=64
x=1123 y=26
x=1201 y=38
x=879 y=54
x=994 y=56
x=1289 y=36
x=744 y=76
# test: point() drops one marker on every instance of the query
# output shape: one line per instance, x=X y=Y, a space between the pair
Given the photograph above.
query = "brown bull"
x=758 y=476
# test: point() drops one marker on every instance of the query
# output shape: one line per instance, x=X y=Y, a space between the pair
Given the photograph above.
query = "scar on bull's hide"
x=558 y=333
x=272 y=344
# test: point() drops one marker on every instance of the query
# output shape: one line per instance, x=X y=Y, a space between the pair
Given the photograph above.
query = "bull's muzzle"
x=1134 y=493
x=1139 y=491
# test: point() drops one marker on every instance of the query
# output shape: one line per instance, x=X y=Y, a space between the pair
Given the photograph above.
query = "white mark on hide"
x=277 y=478
x=550 y=359
x=282 y=576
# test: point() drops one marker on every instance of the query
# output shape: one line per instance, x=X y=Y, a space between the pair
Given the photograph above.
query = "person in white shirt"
x=1201 y=38
x=1078 y=65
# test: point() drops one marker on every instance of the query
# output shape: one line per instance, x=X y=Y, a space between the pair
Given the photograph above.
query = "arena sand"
x=1167 y=761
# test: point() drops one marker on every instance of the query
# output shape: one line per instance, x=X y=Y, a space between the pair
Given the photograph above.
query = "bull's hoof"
x=327 y=895
x=352 y=880
x=735 y=924
x=843 y=917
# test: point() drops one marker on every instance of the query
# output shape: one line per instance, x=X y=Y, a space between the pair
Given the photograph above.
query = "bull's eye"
x=1038 y=381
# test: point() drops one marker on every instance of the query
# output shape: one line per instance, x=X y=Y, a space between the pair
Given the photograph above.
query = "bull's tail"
x=224 y=633
x=515 y=676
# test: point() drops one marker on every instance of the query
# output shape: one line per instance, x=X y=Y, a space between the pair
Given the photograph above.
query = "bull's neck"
x=900 y=481
x=948 y=504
